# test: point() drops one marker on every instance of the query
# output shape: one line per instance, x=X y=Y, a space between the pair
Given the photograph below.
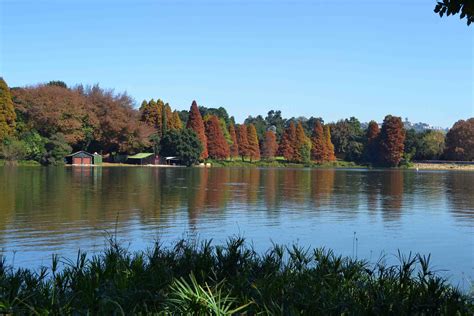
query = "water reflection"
x=49 y=206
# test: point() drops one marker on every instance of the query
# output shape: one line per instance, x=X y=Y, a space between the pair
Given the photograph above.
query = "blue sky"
x=333 y=59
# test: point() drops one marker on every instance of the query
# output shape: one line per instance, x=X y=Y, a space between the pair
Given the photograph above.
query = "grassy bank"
x=280 y=163
x=191 y=278
x=442 y=166
x=20 y=163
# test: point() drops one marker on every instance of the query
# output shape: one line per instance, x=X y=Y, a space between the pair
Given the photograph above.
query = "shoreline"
x=441 y=166
x=448 y=166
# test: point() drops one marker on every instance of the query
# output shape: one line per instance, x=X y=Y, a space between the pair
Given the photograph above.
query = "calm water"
x=354 y=212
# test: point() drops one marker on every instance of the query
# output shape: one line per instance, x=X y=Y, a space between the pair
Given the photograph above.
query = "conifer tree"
x=301 y=144
x=270 y=145
x=243 y=142
x=196 y=123
x=216 y=143
x=167 y=118
x=176 y=123
x=7 y=111
x=392 y=139
x=234 y=147
x=152 y=114
x=318 y=143
x=254 y=148
x=287 y=144
x=329 y=148
x=372 y=148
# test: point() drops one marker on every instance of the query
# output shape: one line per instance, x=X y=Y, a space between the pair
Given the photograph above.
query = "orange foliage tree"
x=196 y=123
x=254 y=148
x=392 y=138
x=372 y=147
x=329 y=148
x=234 y=147
x=302 y=149
x=7 y=111
x=318 y=143
x=460 y=141
x=242 y=140
x=175 y=122
x=270 y=145
x=216 y=143
x=287 y=143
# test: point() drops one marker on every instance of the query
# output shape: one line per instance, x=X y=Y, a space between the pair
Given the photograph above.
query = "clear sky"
x=332 y=59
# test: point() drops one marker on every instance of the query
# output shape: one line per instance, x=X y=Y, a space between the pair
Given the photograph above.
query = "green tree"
x=34 y=145
x=7 y=111
x=56 y=149
x=184 y=144
x=58 y=83
x=432 y=145
x=344 y=134
x=12 y=150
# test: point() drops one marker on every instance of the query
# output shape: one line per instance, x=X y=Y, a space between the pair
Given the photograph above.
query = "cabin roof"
x=80 y=152
x=140 y=156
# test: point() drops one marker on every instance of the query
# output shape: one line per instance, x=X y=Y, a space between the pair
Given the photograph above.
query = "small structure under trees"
x=143 y=159
x=84 y=158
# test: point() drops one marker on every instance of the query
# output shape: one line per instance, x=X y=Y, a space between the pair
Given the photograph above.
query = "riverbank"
x=282 y=164
x=200 y=278
x=442 y=166
x=23 y=163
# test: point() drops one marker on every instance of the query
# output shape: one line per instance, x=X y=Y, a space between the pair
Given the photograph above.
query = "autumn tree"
x=460 y=141
x=318 y=143
x=216 y=143
x=118 y=128
x=392 y=138
x=7 y=111
x=288 y=141
x=234 y=147
x=270 y=145
x=152 y=114
x=254 y=148
x=329 y=148
x=243 y=142
x=302 y=149
x=372 y=147
x=196 y=123
x=175 y=122
x=52 y=109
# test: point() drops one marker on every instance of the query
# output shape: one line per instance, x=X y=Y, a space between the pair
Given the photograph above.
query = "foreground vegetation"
x=199 y=278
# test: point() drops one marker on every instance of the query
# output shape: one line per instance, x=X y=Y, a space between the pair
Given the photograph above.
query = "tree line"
x=46 y=122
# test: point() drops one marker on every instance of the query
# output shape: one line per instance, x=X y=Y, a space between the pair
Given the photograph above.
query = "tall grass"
x=202 y=279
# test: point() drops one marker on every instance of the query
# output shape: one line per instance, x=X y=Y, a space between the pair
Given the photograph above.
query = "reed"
x=199 y=278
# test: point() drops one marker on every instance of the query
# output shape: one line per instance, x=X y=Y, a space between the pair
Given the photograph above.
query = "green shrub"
x=199 y=278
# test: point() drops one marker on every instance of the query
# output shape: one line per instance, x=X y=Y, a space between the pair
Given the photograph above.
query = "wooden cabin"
x=83 y=158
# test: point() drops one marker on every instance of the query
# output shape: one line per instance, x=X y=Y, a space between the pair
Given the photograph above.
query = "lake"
x=365 y=213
